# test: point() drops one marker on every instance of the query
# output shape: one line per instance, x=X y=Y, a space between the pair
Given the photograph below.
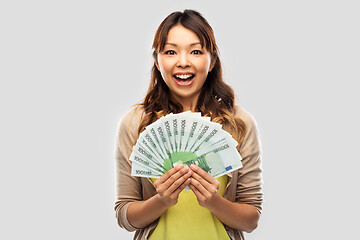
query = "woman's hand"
x=204 y=186
x=142 y=213
x=172 y=183
x=239 y=216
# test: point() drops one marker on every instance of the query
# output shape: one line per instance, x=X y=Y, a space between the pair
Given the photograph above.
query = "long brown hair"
x=216 y=98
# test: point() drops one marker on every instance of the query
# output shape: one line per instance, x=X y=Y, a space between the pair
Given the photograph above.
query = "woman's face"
x=184 y=64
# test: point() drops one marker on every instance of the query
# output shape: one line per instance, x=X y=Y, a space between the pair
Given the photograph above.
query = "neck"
x=188 y=104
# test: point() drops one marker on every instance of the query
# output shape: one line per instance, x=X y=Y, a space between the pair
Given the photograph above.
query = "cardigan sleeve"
x=249 y=184
x=128 y=188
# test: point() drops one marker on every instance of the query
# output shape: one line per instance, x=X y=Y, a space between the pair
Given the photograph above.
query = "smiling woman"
x=187 y=75
x=184 y=65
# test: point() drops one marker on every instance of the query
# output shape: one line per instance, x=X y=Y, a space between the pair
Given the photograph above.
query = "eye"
x=197 y=52
x=170 y=52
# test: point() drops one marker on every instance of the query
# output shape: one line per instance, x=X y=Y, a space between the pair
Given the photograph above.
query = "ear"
x=155 y=57
x=157 y=65
x=213 y=62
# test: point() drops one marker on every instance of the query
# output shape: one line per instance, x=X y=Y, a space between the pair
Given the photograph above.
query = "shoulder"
x=130 y=121
x=133 y=115
x=246 y=116
x=252 y=136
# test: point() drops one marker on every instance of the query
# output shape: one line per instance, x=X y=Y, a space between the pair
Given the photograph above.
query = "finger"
x=182 y=187
x=179 y=182
x=197 y=193
x=212 y=186
x=169 y=173
x=199 y=187
x=203 y=174
x=201 y=180
x=182 y=174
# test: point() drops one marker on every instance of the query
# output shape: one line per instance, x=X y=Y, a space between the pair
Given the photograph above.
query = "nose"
x=183 y=61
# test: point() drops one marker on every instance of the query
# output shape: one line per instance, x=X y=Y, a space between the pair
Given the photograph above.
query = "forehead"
x=180 y=35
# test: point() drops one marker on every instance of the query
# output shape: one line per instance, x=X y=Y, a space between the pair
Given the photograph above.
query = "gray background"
x=70 y=69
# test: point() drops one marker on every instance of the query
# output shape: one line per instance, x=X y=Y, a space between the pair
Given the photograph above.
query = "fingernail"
x=185 y=169
x=179 y=166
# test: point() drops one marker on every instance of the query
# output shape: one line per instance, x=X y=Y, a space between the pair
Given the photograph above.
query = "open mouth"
x=184 y=79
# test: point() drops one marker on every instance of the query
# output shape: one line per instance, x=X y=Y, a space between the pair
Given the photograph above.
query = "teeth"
x=183 y=76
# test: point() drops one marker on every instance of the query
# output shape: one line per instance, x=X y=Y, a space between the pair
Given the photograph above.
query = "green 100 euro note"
x=184 y=138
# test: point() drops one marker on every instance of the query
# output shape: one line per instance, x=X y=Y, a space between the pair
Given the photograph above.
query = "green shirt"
x=188 y=220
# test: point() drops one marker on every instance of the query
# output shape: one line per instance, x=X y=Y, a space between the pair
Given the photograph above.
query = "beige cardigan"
x=244 y=185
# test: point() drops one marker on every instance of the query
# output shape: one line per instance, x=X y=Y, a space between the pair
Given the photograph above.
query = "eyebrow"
x=174 y=44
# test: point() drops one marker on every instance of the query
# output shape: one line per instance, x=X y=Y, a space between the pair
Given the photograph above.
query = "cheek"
x=204 y=65
x=165 y=66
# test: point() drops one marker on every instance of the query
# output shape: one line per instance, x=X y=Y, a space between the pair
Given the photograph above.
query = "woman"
x=187 y=75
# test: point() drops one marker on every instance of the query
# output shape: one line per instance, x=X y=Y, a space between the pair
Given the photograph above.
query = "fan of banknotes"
x=184 y=138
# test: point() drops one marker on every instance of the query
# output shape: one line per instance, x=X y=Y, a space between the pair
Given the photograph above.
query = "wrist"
x=162 y=203
x=213 y=203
